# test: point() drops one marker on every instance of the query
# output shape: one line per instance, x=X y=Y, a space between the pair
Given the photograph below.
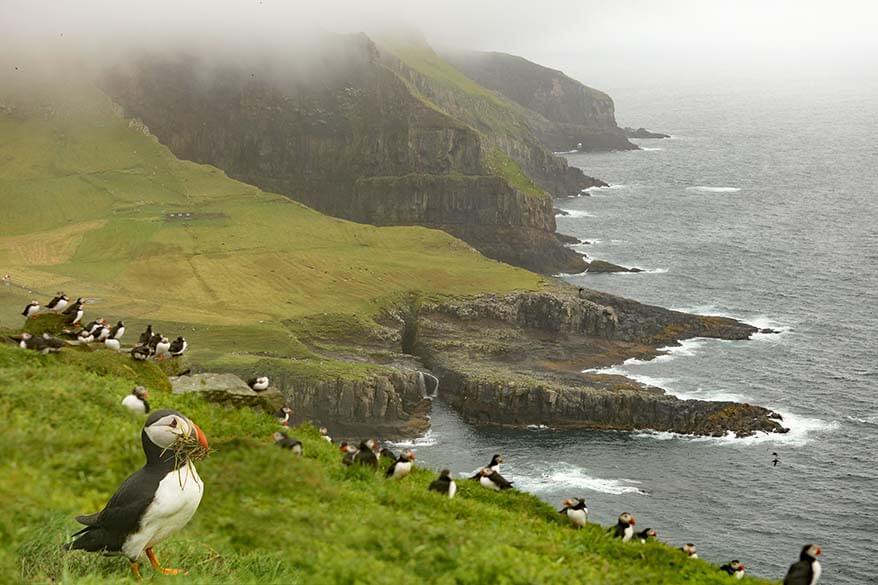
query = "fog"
x=602 y=43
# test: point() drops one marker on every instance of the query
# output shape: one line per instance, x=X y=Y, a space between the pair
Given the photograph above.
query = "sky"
x=610 y=43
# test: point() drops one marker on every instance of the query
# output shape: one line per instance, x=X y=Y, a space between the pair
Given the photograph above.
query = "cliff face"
x=566 y=111
x=350 y=137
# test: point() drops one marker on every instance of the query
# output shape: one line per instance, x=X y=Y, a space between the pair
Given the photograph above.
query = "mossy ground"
x=267 y=516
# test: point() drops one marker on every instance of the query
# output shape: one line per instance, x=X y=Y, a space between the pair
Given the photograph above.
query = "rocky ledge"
x=643 y=133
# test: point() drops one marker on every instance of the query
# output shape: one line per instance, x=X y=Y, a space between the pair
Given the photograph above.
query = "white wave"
x=707 y=189
x=538 y=428
x=428 y=440
x=642 y=271
x=574 y=151
x=618 y=241
x=574 y=213
x=607 y=188
x=650 y=149
x=565 y=475
x=868 y=420
x=686 y=348
x=759 y=321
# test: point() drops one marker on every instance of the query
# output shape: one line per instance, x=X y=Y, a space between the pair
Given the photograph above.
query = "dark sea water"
x=763 y=206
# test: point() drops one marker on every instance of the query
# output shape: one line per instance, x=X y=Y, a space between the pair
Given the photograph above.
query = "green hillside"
x=97 y=208
x=268 y=517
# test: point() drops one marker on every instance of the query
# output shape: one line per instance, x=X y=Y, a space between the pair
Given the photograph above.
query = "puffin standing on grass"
x=444 y=484
x=284 y=441
x=807 y=570
x=113 y=344
x=496 y=460
x=349 y=453
x=258 y=384
x=162 y=348
x=152 y=504
x=624 y=528
x=31 y=309
x=645 y=535
x=690 y=550
x=74 y=312
x=117 y=331
x=178 y=346
x=365 y=455
x=140 y=352
x=283 y=416
x=136 y=402
x=733 y=569
x=492 y=480
x=324 y=434
x=58 y=303
x=145 y=336
x=402 y=466
x=576 y=511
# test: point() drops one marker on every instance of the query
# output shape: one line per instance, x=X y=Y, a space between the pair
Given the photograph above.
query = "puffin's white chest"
x=60 y=305
x=488 y=483
x=134 y=404
x=577 y=517
x=176 y=500
x=628 y=533
x=452 y=489
x=402 y=469
x=739 y=575
x=816 y=570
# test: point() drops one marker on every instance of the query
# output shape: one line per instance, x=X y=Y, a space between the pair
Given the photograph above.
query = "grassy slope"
x=268 y=517
x=85 y=199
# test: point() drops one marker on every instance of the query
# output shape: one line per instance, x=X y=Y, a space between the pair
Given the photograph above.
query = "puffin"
x=31 y=309
x=365 y=455
x=444 y=484
x=102 y=333
x=140 y=352
x=324 y=434
x=284 y=441
x=283 y=416
x=145 y=336
x=386 y=453
x=84 y=337
x=492 y=480
x=496 y=460
x=154 y=502
x=44 y=344
x=161 y=348
x=74 y=312
x=154 y=340
x=690 y=550
x=136 y=401
x=776 y=459
x=93 y=326
x=178 y=346
x=58 y=303
x=113 y=344
x=117 y=331
x=733 y=569
x=349 y=453
x=402 y=466
x=624 y=528
x=576 y=511
x=644 y=535
x=258 y=384
x=807 y=570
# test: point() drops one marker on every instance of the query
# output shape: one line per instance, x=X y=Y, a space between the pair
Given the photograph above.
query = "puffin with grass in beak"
x=733 y=569
x=624 y=528
x=136 y=402
x=576 y=511
x=444 y=484
x=402 y=466
x=807 y=570
x=156 y=501
x=31 y=309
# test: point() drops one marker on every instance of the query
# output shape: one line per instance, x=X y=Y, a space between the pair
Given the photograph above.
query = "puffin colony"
x=160 y=498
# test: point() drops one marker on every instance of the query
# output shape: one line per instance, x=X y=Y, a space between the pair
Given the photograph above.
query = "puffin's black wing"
x=799 y=574
x=107 y=530
x=391 y=469
x=502 y=482
x=727 y=568
x=439 y=485
x=618 y=531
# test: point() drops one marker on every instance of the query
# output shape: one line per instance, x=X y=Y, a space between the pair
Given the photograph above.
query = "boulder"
x=227 y=389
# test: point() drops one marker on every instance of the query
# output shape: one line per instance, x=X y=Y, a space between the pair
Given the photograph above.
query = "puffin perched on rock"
x=31 y=309
x=644 y=535
x=690 y=550
x=402 y=466
x=807 y=570
x=258 y=384
x=733 y=569
x=624 y=528
x=178 y=347
x=74 y=312
x=58 y=303
x=136 y=401
x=496 y=460
x=576 y=511
x=444 y=484
x=162 y=348
x=284 y=441
x=152 y=504
x=492 y=480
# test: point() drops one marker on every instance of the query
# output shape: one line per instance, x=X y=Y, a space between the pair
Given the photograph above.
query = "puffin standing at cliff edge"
x=576 y=511
x=162 y=348
x=136 y=401
x=365 y=455
x=807 y=570
x=402 y=466
x=31 y=309
x=492 y=480
x=645 y=535
x=624 y=528
x=74 y=312
x=283 y=416
x=258 y=384
x=58 y=303
x=496 y=460
x=117 y=331
x=690 y=550
x=733 y=569
x=152 y=504
x=444 y=484
x=145 y=336
x=178 y=347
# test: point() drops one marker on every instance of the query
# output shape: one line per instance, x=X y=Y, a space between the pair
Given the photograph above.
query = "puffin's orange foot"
x=135 y=568
x=153 y=560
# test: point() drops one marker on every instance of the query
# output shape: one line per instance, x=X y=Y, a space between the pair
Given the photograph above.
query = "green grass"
x=268 y=517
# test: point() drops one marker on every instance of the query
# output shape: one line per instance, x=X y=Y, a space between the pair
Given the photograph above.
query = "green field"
x=95 y=207
x=268 y=517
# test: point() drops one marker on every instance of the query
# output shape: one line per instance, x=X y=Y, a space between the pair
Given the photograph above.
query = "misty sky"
x=602 y=43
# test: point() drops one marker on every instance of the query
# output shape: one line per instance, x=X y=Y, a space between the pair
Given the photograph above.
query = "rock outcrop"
x=643 y=133
x=227 y=389
x=566 y=114
x=598 y=266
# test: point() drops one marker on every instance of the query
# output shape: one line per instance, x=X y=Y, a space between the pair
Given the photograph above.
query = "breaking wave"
x=573 y=477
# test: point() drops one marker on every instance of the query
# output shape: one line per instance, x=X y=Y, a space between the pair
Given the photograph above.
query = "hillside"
x=268 y=517
x=565 y=112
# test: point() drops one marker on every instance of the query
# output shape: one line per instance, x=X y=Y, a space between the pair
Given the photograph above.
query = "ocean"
x=762 y=206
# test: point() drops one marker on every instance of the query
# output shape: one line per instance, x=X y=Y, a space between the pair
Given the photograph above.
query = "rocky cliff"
x=351 y=136
x=567 y=114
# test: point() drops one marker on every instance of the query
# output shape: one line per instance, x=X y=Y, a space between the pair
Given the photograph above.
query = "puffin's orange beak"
x=201 y=436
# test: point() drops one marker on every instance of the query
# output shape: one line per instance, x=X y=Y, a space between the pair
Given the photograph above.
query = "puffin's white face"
x=165 y=431
x=626 y=518
x=814 y=551
x=409 y=455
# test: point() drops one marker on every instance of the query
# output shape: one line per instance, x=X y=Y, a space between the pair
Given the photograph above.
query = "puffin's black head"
x=736 y=565
x=141 y=392
x=323 y=430
x=407 y=455
x=445 y=473
x=626 y=518
x=689 y=549
x=486 y=472
x=497 y=459
x=810 y=552
x=279 y=436
x=163 y=427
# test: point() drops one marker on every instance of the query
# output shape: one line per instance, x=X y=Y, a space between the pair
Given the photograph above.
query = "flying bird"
x=153 y=503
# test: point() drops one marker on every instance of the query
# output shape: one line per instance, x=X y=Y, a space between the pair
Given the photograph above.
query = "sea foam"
x=574 y=213
x=565 y=475
x=708 y=189
x=427 y=440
